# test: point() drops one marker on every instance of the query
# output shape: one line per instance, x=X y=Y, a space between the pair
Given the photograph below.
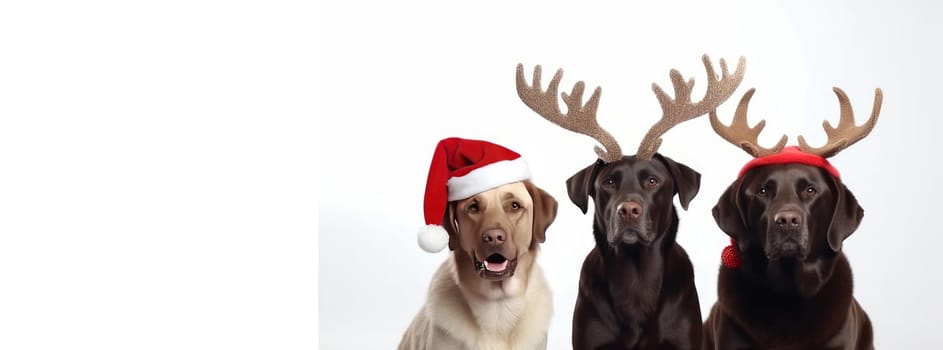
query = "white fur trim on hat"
x=433 y=238
x=488 y=177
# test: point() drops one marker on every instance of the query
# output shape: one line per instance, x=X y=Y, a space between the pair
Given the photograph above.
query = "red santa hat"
x=791 y=154
x=462 y=168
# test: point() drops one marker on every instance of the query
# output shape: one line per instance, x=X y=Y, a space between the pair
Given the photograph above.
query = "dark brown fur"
x=793 y=289
x=636 y=287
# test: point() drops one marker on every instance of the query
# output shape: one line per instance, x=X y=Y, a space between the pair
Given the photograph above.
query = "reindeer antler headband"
x=581 y=118
x=740 y=134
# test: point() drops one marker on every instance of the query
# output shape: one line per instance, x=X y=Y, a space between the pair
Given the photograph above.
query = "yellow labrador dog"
x=489 y=293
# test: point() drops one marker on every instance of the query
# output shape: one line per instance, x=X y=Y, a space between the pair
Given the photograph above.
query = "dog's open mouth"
x=495 y=267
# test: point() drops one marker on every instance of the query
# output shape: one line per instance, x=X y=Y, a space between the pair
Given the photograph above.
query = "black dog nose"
x=788 y=219
x=494 y=236
x=630 y=209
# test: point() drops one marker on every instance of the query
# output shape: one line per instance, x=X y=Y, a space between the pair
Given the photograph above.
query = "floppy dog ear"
x=846 y=218
x=687 y=181
x=580 y=185
x=545 y=210
x=451 y=226
x=728 y=215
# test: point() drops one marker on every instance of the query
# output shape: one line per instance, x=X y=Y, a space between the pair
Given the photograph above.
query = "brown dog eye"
x=810 y=191
x=473 y=207
x=651 y=183
x=763 y=192
x=515 y=206
x=609 y=181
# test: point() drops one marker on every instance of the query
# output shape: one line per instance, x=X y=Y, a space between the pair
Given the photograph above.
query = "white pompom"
x=433 y=238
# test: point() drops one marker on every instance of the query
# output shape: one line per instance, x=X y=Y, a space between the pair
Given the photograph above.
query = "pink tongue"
x=496 y=267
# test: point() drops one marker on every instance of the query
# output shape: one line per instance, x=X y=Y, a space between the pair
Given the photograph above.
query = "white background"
x=157 y=175
x=398 y=76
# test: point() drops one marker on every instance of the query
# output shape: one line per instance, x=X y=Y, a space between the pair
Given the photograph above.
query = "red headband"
x=788 y=155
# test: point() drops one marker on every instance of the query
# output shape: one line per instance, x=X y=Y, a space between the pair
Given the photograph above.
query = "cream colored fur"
x=516 y=315
x=465 y=311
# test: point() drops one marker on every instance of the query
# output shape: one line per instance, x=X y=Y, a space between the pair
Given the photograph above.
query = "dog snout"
x=630 y=210
x=795 y=246
x=788 y=219
x=788 y=236
x=495 y=236
x=789 y=246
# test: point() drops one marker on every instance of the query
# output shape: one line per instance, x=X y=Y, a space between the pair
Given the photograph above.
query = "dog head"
x=633 y=198
x=495 y=230
x=789 y=211
x=787 y=215
x=633 y=194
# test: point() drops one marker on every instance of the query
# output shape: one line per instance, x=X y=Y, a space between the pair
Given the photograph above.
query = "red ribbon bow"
x=729 y=256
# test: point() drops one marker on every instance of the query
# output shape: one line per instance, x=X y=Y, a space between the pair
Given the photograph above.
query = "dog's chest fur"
x=517 y=320
x=635 y=295
x=828 y=319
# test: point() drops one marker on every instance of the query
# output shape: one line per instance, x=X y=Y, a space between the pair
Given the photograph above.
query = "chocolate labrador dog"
x=789 y=285
x=637 y=286
x=793 y=288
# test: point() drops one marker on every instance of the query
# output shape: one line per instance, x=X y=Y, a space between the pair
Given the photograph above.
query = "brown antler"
x=681 y=108
x=846 y=134
x=740 y=134
x=579 y=118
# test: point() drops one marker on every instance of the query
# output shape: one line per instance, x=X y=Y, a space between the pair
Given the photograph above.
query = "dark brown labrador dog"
x=793 y=288
x=636 y=287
